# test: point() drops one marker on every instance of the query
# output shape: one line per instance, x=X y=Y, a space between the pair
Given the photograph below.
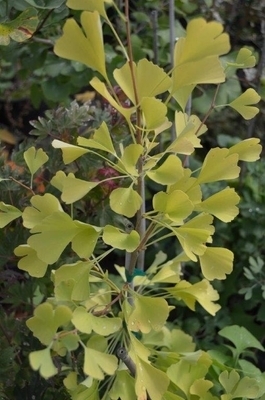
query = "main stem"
x=137 y=257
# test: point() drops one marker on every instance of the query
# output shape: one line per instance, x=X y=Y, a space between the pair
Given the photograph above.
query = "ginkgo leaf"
x=97 y=361
x=52 y=236
x=148 y=314
x=46 y=321
x=244 y=104
x=219 y=165
x=30 y=261
x=70 y=152
x=154 y=112
x=245 y=58
x=221 y=204
x=149 y=379
x=41 y=361
x=101 y=140
x=202 y=292
x=169 y=172
x=169 y=272
x=216 y=263
x=125 y=201
x=195 y=64
x=238 y=388
x=42 y=207
x=194 y=234
x=87 y=49
x=201 y=387
x=89 y=6
x=86 y=322
x=72 y=188
x=128 y=161
x=188 y=129
x=186 y=372
x=78 y=274
x=35 y=159
x=123 y=386
x=176 y=206
x=84 y=242
x=247 y=150
x=188 y=185
x=8 y=213
x=101 y=88
x=151 y=80
x=21 y=28
x=121 y=240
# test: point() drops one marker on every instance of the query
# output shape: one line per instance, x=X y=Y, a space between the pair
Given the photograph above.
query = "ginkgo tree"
x=117 y=329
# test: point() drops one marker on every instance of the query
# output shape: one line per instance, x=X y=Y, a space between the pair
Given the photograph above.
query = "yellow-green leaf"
x=123 y=386
x=35 y=159
x=154 y=113
x=8 y=213
x=101 y=140
x=151 y=80
x=129 y=158
x=195 y=63
x=121 y=240
x=86 y=322
x=70 y=152
x=176 y=206
x=216 y=263
x=125 y=201
x=238 y=388
x=84 y=242
x=85 y=48
x=243 y=104
x=222 y=205
x=247 y=150
x=41 y=361
x=201 y=292
x=188 y=185
x=52 y=235
x=72 y=188
x=101 y=88
x=194 y=234
x=97 y=360
x=30 y=261
x=188 y=128
x=148 y=314
x=187 y=371
x=169 y=172
x=245 y=58
x=89 y=6
x=76 y=277
x=46 y=321
x=42 y=207
x=219 y=165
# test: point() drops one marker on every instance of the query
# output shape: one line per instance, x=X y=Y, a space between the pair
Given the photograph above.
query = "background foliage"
x=33 y=79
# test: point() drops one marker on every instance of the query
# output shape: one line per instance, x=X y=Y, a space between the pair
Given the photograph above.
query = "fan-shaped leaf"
x=87 y=49
x=169 y=172
x=30 y=261
x=101 y=140
x=41 y=361
x=8 y=213
x=243 y=104
x=216 y=263
x=222 y=205
x=202 y=292
x=176 y=206
x=125 y=201
x=35 y=159
x=247 y=150
x=86 y=322
x=47 y=320
x=70 y=152
x=219 y=165
x=121 y=240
